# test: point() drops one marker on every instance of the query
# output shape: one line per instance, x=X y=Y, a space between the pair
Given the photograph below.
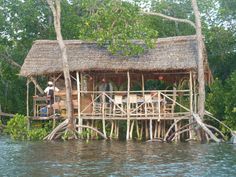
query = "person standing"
x=49 y=91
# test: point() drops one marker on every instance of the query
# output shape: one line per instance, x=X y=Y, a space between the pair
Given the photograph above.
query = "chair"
x=133 y=100
x=148 y=104
x=97 y=106
x=118 y=105
x=169 y=105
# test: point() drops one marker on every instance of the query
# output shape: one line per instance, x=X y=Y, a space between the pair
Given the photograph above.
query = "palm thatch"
x=170 y=54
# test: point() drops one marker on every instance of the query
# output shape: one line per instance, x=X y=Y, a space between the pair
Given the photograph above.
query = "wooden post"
x=159 y=130
x=27 y=104
x=191 y=100
x=143 y=85
x=128 y=106
x=80 y=121
x=103 y=115
x=27 y=98
x=195 y=93
x=177 y=136
x=191 y=91
x=159 y=106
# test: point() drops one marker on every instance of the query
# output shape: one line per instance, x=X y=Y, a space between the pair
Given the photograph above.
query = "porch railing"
x=137 y=104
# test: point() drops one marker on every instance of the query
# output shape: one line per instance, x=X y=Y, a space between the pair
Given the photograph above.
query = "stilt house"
x=148 y=91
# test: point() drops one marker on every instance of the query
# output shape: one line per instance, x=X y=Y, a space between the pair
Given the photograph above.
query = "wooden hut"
x=149 y=92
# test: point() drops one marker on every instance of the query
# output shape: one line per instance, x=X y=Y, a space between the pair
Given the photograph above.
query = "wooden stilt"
x=146 y=129
x=80 y=121
x=131 y=130
x=176 y=129
x=87 y=135
x=141 y=130
x=27 y=104
x=128 y=106
x=156 y=128
x=150 y=129
x=112 y=128
x=103 y=115
x=117 y=129
x=137 y=129
x=191 y=101
x=163 y=128
x=159 y=129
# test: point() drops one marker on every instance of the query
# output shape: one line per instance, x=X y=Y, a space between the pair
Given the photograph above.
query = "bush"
x=36 y=134
x=221 y=101
x=17 y=129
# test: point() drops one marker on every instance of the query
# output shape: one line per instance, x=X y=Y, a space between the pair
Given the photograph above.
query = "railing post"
x=159 y=106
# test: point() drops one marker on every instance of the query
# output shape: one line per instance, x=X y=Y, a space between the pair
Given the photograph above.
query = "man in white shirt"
x=50 y=91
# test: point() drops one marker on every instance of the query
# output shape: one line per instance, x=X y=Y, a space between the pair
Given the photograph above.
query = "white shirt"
x=50 y=88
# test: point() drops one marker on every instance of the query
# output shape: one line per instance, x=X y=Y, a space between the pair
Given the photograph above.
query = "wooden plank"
x=63 y=93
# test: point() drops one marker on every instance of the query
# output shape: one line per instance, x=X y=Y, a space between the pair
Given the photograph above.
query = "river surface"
x=115 y=158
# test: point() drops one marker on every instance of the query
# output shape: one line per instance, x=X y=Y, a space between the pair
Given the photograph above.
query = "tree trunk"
x=201 y=80
x=56 y=10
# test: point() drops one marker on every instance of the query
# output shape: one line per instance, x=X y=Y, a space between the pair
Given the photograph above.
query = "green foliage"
x=37 y=134
x=17 y=127
x=114 y=24
x=221 y=100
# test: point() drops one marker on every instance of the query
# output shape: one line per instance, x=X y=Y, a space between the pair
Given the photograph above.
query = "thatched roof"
x=173 y=53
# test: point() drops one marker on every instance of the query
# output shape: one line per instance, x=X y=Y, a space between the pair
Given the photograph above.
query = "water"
x=115 y=158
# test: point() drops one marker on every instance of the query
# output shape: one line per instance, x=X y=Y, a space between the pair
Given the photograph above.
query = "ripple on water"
x=115 y=158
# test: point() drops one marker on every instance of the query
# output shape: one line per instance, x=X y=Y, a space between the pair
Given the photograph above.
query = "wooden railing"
x=160 y=104
x=156 y=104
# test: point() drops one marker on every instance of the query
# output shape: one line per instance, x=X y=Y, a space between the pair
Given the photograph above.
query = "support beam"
x=36 y=84
x=191 y=101
x=27 y=98
x=103 y=114
x=27 y=104
x=143 y=85
x=128 y=106
x=80 y=121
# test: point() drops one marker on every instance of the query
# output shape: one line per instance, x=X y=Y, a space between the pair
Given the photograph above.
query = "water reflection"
x=115 y=158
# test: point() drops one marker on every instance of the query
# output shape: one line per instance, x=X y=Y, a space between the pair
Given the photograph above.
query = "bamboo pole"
x=143 y=85
x=191 y=100
x=103 y=115
x=27 y=104
x=156 y=128
x=159 y=129
x=137 y=129
x=146 y=130
x=27 y=98
x=159 y=106
x=80 y=121
x=195 y=93
x=128 y=106
x=191 y=91
x=131 y=130
x=112 y=129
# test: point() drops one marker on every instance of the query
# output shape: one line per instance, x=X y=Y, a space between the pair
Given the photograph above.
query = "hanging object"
x=160 y=77
x=103 y=79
